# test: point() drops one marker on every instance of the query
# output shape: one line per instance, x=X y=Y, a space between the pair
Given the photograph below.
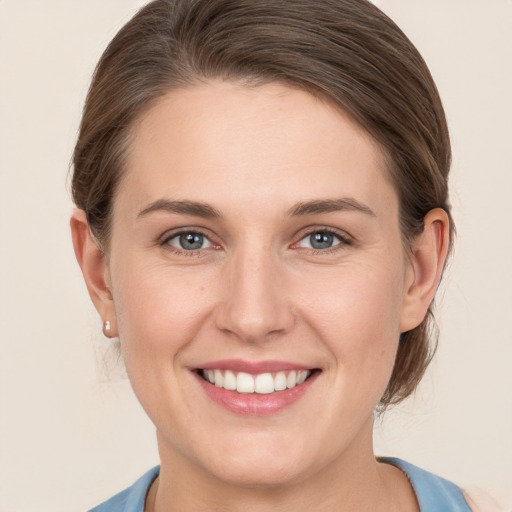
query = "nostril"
x=253 y=322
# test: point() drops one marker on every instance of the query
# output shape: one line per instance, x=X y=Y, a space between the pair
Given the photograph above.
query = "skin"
x=257 y=291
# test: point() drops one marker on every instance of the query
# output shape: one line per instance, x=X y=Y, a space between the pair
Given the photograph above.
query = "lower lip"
x=255 y=404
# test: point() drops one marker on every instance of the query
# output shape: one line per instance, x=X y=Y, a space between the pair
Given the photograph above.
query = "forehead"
x=272 y=143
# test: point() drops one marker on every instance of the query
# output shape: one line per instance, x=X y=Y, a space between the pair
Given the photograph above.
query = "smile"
x=261 y=383
x=255 y=388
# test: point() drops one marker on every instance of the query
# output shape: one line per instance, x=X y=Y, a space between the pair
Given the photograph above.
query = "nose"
x=255 y=306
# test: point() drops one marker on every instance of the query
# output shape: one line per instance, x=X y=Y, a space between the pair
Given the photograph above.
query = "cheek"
x=159 y=313
x=356 y=311
x=158 y=310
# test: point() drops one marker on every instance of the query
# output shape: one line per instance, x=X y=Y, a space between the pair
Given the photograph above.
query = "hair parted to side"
x=346 y=51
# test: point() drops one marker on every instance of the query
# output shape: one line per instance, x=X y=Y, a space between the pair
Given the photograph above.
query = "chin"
x=272 y=473
x=262 y=463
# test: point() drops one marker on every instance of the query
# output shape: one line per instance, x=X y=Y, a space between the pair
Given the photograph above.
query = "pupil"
x=321 y=240
x=191 y=241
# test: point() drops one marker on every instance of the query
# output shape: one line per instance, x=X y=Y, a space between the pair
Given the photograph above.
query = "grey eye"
x=320 y=240
x=191 y=241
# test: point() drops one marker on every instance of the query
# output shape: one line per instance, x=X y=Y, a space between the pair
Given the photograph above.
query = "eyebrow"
x=194 y=208
x=328 y=206
x=204 y=210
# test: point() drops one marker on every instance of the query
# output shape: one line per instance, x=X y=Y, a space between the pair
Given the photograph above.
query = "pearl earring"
x=107 y=328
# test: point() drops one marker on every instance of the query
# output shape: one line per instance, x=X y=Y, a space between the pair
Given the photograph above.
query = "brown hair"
x=348 y=51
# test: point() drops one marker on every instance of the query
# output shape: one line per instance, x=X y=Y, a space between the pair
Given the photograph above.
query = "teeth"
x=244 y=383
x=263 y=383
x=219 y=378
x=291 y=380
x=280 y=381
x=229 y=380
x=301 y=376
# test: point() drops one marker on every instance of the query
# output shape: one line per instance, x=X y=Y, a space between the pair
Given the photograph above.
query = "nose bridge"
x=254 y=304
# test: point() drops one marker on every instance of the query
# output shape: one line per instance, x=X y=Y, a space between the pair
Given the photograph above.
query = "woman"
x=263 y=221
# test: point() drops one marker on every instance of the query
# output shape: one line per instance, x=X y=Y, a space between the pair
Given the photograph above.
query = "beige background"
x=71 y=432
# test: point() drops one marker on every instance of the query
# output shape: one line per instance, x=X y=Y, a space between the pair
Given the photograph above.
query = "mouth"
x=261 y=383
x=255 y=388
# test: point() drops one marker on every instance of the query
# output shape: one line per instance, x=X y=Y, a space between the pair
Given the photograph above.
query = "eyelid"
x=169 y=235
x=177 y=236
x=343 y=236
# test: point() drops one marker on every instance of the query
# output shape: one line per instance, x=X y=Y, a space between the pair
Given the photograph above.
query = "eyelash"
x=183 y=252
x=344 y=241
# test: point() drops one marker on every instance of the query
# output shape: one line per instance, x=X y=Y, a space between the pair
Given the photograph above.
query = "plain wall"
x=71 y=431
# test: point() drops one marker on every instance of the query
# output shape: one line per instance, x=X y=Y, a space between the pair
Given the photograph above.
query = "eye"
x=322 y=239
x=189 y=241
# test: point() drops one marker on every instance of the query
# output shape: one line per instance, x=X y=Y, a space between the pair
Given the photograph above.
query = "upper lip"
x=253 y=367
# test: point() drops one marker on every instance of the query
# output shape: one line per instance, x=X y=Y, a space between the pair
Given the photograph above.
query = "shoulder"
x=480 y=501
x=131 y=499
x=433 y=492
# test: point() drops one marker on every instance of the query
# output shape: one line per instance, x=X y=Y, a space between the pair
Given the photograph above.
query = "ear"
x=92 y=261
x=426 y=263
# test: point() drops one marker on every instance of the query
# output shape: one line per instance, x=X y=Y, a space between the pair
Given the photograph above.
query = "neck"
x=354 y=482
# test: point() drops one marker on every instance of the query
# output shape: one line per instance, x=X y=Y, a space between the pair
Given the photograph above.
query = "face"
x=255 y=243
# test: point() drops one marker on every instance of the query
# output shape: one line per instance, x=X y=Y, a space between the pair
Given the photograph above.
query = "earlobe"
x=93 y=264
x=428 y=255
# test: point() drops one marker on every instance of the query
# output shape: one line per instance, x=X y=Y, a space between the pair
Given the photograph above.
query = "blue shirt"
x=434 y=494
